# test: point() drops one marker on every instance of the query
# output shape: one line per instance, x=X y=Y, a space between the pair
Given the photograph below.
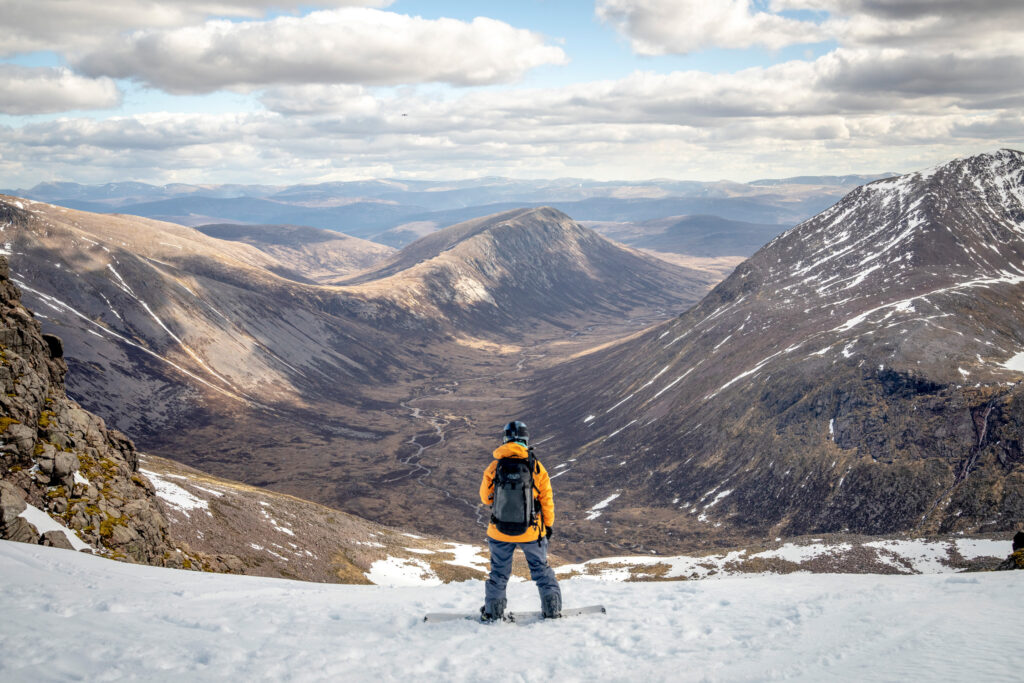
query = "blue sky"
x=283 y=91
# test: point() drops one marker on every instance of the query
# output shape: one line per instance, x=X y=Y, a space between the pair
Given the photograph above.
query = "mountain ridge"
x=814 y=389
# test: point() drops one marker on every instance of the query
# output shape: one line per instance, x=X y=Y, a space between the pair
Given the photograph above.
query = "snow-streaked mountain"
x=68 y=615
x=510 y=271
x=859 y=373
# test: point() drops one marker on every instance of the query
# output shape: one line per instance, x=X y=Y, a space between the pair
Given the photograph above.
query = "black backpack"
x=512 y=510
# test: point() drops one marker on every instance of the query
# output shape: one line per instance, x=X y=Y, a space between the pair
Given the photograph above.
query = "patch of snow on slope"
x=620 y=569
x=470 y=556
x=44 y=523
x=123 y=285
x=802 y=553
x=595 y=511
x=398 y=571
x=213 y=627
x=924 y=557
x=973 y=548
x=175 y=496
x=1016 y=363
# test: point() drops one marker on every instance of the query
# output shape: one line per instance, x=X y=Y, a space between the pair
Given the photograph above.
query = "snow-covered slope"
x=71 y=616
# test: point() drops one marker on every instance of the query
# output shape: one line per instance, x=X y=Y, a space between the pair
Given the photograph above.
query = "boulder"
x=57 y=539
x=65 y=464
x=122 y=535
x=1016 y=558
x=12 y=503
x=22 y=437
x=21 y=531
x=1014 y=561
x=46 y=458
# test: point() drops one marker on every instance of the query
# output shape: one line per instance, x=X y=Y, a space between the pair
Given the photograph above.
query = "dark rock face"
x=862 y=373
x=63 y=460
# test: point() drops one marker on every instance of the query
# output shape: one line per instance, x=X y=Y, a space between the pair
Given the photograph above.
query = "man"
x=518 y=489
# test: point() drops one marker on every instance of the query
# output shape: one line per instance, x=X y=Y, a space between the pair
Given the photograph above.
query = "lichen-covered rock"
x=62 y=459
x=1014 y=561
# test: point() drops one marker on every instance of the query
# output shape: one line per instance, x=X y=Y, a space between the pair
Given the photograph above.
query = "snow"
x=44 y=523
x=924 y=557
x=619 y=403
x=402 y=571
x=632 y=422
x=468 y=556
x=719 y=497
x=595 y=511
x=802 y=553
x=117 y=621
x=124 y=285
x=973 y=548
x=175 y=496
x=1016 y=363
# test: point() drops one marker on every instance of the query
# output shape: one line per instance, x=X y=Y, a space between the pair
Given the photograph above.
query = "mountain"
x=859 y=373
x=831 y=180
x=512 y=270
x=396 y=212
x=355 y=218
x=308 y=253
x=701 y=236
x=166 y=325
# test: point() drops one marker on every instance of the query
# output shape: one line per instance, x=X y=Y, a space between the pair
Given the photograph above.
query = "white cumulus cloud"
x=71 y=25
x=39 y=90
x=657 y=27
x=355 y=45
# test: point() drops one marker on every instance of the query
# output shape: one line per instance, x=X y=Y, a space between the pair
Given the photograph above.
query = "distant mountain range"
x=396 y=213
x=860 y=373
x=701 y=236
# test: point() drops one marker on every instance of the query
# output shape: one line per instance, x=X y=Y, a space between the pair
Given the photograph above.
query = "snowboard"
x=512 y=617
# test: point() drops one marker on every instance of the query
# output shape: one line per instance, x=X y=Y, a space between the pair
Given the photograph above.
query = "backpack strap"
x=535 y=469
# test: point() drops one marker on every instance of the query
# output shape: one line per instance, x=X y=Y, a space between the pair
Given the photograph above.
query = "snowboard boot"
x=551 y=606
x=493 y=610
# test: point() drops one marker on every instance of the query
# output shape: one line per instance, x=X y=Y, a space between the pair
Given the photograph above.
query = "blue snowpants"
x=536 y=558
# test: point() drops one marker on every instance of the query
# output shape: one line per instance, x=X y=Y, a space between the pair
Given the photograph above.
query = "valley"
x=380 y=395
x=821 y=388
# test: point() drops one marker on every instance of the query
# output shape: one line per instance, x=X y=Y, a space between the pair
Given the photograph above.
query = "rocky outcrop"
x=66 y=480
x=1016 y=558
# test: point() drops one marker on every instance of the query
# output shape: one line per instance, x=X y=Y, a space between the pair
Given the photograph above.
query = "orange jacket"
x=542 y=493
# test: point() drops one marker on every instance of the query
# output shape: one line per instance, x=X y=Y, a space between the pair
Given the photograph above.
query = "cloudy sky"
x=284 y=91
